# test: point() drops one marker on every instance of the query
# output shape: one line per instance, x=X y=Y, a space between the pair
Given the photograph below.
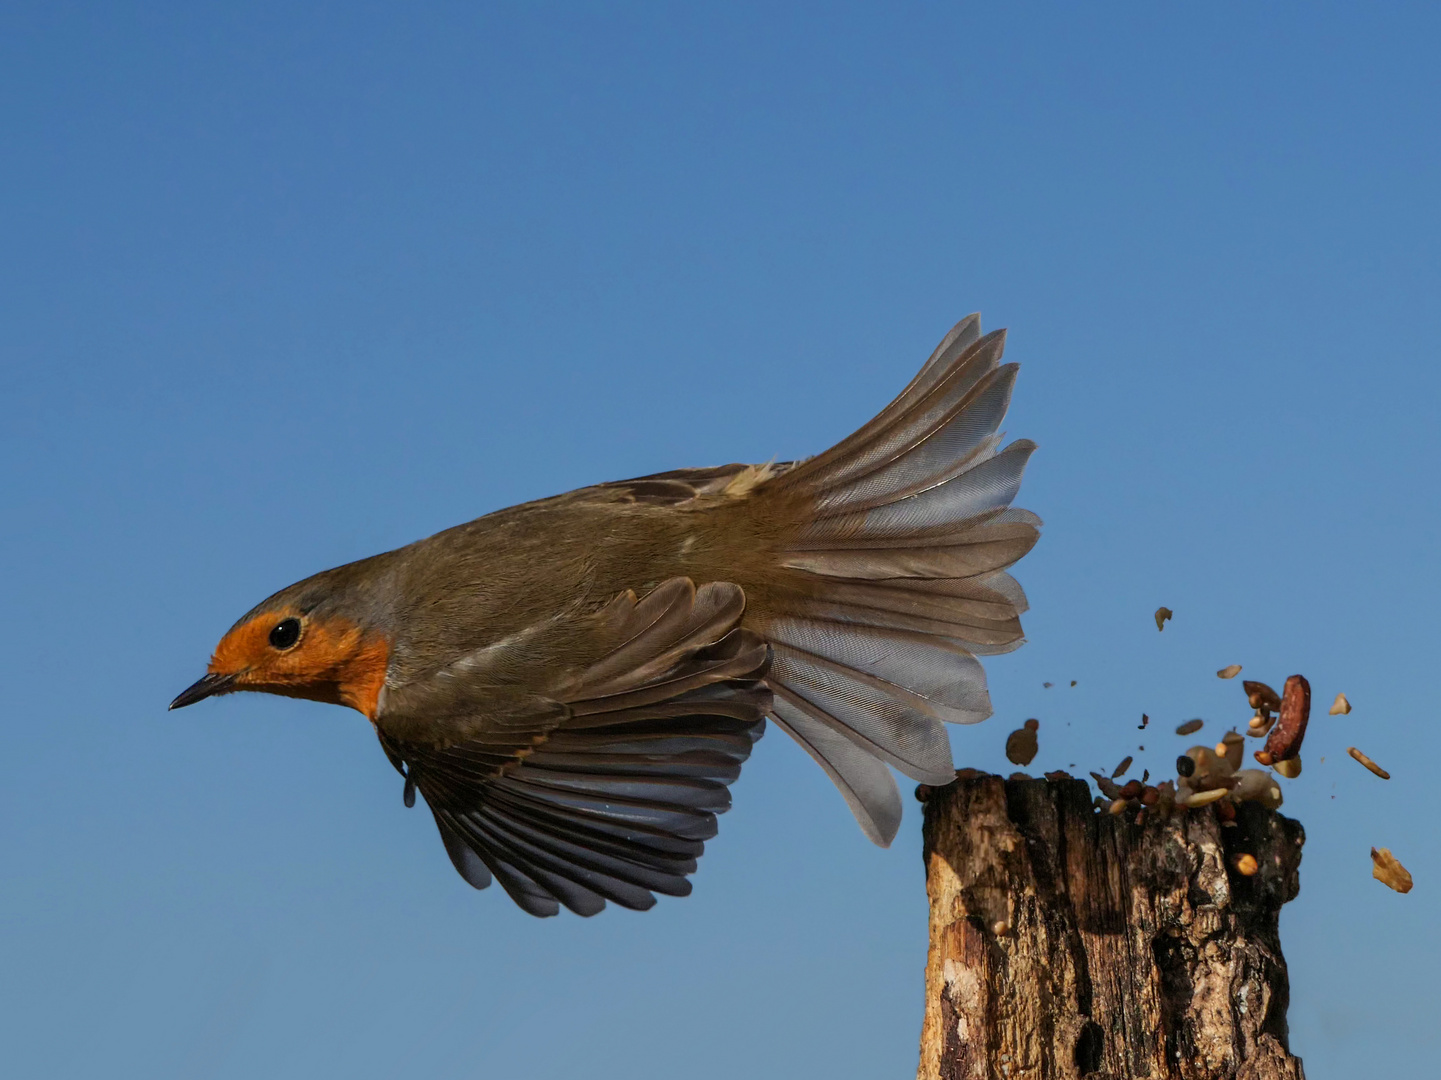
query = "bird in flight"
x=572 y=684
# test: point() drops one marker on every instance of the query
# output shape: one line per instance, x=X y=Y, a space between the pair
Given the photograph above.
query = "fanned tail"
x=896 y=582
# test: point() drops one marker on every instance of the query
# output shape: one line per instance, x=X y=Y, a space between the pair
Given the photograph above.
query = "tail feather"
x=896 y=580
x=863 y=780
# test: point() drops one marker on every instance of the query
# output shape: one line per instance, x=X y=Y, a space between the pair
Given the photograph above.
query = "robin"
x=573 y=683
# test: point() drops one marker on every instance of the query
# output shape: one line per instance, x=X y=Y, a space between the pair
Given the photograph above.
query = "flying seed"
x=1073 y=682
x=1185 y=766
x=1260 y=724
x=1021 y=744
x=1261 y=696
x=1106 y=786
x=1290 y=768
x=1386 y=869
x=1048 y=685
x=1230 y=671
x=1144 y=721
x=1285 y=738
x=1340 y=707
x=1190 y=727
x=1245 y=865
x=1206 y=798
x=1162 y=614
x=1120 y=770
x=1364 y=760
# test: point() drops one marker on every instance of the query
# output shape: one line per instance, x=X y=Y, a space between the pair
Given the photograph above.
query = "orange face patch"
x=333 y=661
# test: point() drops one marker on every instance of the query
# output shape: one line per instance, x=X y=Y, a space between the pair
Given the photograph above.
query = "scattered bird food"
x=1230 y=671
x=1261 y=696
x=1340 y=707
x=1185 y=766
x=1388 y=871
x=1106 y=786
x=1000 y=928
x=1257 y=785
x=1021 y=744
x=1073 y=682
x=1364 y=760
x=1190 y=727
x=1144 y=721
x=1205 y=798
x=1245 y=865
x=1162 y=614
x=1285 y=738
x=1260 y=725
x=1120 y=770
x=1290 y=768
x=1047 y=685
x=1230 y=748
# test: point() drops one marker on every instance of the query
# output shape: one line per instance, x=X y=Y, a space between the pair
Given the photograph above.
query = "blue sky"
x=284 y=285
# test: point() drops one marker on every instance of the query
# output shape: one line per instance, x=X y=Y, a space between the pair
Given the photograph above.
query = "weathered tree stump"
x=1067 y=942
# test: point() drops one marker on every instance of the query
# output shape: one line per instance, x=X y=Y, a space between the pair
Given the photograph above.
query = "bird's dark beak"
x=205 y=687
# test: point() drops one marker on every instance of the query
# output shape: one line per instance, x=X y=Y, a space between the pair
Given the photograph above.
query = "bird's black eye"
x=285 y=634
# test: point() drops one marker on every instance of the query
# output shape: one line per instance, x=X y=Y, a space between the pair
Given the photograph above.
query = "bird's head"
x=297 y=647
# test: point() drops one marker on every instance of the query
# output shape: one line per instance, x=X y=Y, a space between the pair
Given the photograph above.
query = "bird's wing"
x=605 y=783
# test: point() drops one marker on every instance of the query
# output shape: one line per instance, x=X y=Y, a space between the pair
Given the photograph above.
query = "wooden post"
x=1067 y=942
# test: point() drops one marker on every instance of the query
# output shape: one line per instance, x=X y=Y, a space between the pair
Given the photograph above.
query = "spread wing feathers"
x=896 y=580
x=615 y=801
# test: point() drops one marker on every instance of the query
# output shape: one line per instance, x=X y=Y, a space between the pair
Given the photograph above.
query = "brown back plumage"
x=572 y=684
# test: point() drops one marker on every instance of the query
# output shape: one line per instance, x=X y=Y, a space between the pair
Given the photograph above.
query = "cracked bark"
x=1070 y=943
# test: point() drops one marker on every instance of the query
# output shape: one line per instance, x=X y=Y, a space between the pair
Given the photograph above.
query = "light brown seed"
x=1290 y=768
x=1386 y=869
x=1364 y=760
x=1190 y=727
x=1340 y=707
x=1230 y=671
x=1205 y=798
x=1000 y=928
x=1245 y=865
x=1118 y=806
x=1162 y=614
x=1120 y=770
x=1260 y=724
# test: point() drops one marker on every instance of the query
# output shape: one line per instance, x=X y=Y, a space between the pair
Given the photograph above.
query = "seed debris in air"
x=1047 y=685
x=1284 y=741
x=1245 y=865
x=1190 y=727
x=1261 y=696
x=1021 y=744
x=1364 y=760
x=1340 y=707
x=1230 y=671
x=1386 y=869
x=1144 y=721
x=1120 y=770
x=1162 y=614
x=1073 y=682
